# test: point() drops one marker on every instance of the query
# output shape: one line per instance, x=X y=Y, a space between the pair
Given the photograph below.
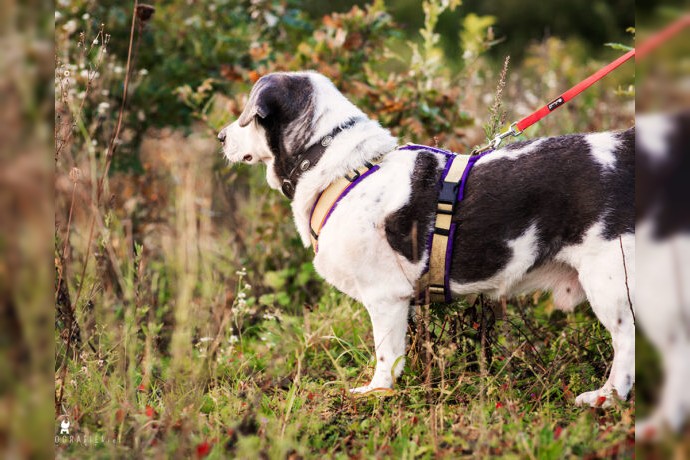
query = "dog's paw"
x=598 y=398
x=369 y=389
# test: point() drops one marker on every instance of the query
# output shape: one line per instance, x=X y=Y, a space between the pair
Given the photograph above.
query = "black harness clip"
x=448 y=196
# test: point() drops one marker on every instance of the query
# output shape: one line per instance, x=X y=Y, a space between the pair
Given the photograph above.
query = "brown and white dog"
x=555 y=214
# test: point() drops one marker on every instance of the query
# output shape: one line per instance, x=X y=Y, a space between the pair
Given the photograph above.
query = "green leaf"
x=618 y=46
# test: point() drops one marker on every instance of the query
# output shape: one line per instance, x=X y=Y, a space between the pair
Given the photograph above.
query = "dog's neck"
x=366 y=141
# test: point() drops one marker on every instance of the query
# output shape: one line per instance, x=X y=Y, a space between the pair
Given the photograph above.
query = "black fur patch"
x=620 y=188
x=663 y=184
x=419 y=212
x=559 y=187
x=287 y=101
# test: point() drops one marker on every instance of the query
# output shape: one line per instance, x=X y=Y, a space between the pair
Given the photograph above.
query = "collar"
x=310 y=157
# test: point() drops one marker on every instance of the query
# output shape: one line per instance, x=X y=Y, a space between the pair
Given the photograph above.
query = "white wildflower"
x=233 y=339
x=103 y=108
x=70 y=26
x=86 y=16
x=271 y=19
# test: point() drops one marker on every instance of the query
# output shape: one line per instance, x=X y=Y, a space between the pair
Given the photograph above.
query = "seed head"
x=145 y=11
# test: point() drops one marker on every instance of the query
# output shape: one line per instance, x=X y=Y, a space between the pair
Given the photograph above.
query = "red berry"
x=203 y=449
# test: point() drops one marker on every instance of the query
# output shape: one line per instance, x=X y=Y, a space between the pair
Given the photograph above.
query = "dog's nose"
x=221 y=136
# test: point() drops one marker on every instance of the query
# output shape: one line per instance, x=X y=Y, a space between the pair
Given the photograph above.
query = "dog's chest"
x=354 y=247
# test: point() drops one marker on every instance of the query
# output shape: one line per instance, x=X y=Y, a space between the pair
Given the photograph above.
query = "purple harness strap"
x=450 y=157
x=341 y=196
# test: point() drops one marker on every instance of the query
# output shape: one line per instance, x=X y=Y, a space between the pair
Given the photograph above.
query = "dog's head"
x=284 y=113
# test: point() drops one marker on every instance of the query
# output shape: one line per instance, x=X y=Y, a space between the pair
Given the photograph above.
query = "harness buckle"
x=437 y=289
x=448 y=195
x=354 y=178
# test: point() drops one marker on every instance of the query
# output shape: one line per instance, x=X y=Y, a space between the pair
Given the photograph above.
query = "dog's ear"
x=261 y=100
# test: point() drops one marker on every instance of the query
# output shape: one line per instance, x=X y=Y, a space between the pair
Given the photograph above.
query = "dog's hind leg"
x=606 y=272
x=389 y=320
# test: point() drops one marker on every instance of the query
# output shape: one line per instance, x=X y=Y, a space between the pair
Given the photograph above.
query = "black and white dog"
x=554 y=214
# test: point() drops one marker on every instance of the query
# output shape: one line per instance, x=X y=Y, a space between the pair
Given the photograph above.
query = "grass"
x=273 y=385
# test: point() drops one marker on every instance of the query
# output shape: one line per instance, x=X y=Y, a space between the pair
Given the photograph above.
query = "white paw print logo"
x=64 y=427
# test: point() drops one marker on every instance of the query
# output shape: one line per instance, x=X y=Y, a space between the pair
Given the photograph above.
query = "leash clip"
x=496 y=141
x=512 y=131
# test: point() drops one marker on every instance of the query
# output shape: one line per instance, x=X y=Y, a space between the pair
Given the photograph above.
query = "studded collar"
x=310 y=157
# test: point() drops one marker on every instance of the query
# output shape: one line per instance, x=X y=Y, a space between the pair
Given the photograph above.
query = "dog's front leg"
x=389 y=320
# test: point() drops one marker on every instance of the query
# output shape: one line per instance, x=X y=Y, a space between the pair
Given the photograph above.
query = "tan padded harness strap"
x=324 y=204
x=439 y=243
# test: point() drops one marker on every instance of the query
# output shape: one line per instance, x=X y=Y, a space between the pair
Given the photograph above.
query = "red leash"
x=645 y=47
x=518 y=127
x=534 y=117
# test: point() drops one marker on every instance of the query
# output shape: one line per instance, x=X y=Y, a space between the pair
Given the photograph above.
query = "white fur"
x=510 y=154
x=664 y=317
x=559 y=278
x=354 y=254
x=652 y=133
x=606 y=271
x=602 y=148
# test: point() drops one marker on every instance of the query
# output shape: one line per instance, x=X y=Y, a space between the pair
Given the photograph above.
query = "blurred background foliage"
x=191 y=50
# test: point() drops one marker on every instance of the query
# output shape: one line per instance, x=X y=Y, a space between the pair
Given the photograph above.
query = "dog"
x=553 y=214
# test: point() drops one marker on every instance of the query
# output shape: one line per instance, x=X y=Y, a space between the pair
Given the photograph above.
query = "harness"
x=439 y=245
x=440 y=242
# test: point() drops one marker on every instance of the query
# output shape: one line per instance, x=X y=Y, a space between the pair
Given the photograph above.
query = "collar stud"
x=288 y=189
x=326 y=141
